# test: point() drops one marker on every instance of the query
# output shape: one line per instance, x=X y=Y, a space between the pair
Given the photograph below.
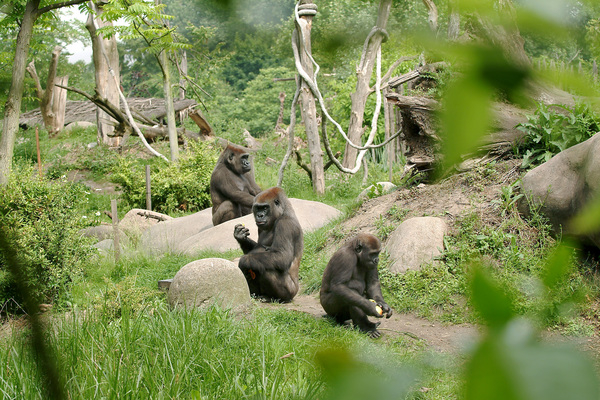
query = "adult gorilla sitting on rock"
x=271 y=265
x=232 y=185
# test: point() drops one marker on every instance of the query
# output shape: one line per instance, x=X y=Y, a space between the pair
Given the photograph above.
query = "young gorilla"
x=232 y=185
x=351 y=280
x=271 y=265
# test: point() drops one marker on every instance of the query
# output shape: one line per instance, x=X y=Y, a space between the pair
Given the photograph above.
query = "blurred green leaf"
x=513 y=365
x=558 y=266
x=465 y=117
x=351 y=378
x=490 y=300
x=588 y=220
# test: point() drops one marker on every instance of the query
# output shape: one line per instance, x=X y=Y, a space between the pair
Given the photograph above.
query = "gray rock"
x=415 y=243
x=100 y=232
x=78 y=124
x=166 y=236
x=211 y=280
x=379 y=189
x=137 y=220
x=311 y=215
x=562 y=186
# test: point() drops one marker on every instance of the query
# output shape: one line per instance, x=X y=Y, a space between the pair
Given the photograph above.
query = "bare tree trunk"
x=279 y=124
x=105 y=83
x=454 y=20
x=59 y=102
x=364 y=72
x=507 y=37
x=12 y=108
x=432 y=13
x=183 y=68
x=171 y=126
x=309 y=110
x=46 y=99
x=53 y=99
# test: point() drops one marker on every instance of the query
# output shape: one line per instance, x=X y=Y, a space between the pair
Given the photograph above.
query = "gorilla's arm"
x=232 y=188
x=241 y=234
x=279 y=255
x=374 y=291
x=254 y=188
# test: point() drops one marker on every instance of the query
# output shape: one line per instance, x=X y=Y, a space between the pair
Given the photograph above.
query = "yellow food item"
x=377 y=308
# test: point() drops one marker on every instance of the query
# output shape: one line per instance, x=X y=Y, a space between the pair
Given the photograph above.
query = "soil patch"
x=433 y=335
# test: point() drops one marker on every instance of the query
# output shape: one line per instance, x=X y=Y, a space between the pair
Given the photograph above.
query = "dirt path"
x=434 y=335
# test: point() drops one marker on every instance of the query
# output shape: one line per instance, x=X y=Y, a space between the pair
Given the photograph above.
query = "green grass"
x=162 y=353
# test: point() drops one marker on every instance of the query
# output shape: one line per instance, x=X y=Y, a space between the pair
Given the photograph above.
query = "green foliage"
x=180 y=186
x=509 y=362
x=553 y=129
x=42 y=223
x=509 y=197
x=259 y=105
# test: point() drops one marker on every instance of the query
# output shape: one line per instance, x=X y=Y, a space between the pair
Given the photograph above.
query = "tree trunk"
x=454 y=20
x=183 y=67
x=506 y=37
x=309 y=110
x=105 y=83
x=432 y=15
x=171 y=127
x=15 y=94
x=59 y=102
x=52 y=100
x=364 y=72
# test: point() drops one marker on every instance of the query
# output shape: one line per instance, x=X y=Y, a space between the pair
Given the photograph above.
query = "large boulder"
x=560 y=187
x=415 y=243
x=137 y=220
x=166 y=236
x=100 y=232
x=311 y=215
x=209 y=281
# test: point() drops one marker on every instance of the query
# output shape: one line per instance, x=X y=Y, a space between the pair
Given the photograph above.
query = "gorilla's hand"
x=240 y=232
x=387 y=311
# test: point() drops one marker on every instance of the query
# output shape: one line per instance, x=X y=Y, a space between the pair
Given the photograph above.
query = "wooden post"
x=115 y=223
x=595 y=71
x=148 y=190
x=37 y=144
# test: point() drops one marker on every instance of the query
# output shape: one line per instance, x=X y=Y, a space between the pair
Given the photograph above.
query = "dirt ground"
x=433 y=335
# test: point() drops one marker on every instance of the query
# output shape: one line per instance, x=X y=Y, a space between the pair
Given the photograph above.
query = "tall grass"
x=162 y=353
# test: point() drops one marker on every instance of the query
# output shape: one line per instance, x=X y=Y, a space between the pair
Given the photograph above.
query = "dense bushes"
x=555 y=128
x=41 y=221
x=180 y=186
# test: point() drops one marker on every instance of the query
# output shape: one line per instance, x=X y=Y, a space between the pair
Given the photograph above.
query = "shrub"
x=180 y=186
x=552 y=130
x=42 y=224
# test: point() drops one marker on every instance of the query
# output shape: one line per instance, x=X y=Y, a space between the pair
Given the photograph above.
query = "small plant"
x=552 y=130
x=375 y=190
x=508 y=198
x=384 y=228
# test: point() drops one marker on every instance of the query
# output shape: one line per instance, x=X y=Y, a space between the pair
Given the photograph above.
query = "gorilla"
x=232 y=185
x=350 y=288
x=271 y=265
